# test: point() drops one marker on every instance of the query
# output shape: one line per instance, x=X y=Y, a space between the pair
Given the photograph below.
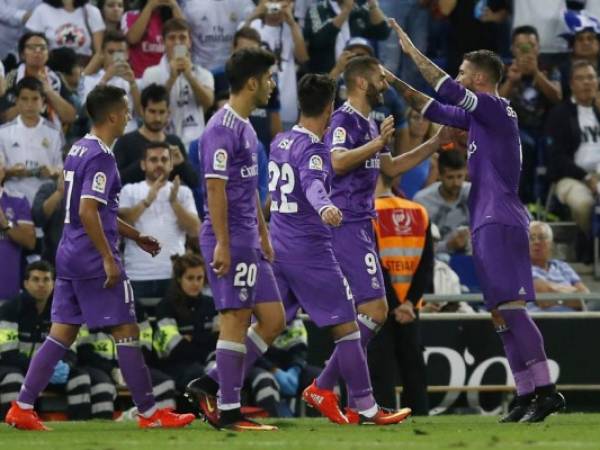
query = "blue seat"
x=464 y=267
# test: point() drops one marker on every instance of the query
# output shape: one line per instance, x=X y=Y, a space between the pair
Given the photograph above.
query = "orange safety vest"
x=401 y=229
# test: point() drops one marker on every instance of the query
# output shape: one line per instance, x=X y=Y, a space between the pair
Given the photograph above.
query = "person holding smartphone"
x=116 y=71
x=191 y=87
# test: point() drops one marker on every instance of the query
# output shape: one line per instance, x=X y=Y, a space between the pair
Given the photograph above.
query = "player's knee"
x=344 y=329
x=63 y=333
x=376 y=311
x=126 y=331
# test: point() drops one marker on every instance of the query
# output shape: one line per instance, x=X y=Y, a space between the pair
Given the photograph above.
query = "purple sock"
x=523 y=378
x=255 y=348
x=230 y=364
x=136 y=375
x=331 y=372
x=40 y=370
x=530 y=344
x=353 y=367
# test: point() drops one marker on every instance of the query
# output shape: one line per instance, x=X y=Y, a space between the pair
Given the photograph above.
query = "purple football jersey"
x=16 y=209
x=298 y=158
x=354 y=191
x=494 y=151
x=90 y=171
x=228 y=150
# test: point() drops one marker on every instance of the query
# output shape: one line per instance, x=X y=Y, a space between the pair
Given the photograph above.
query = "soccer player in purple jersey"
x=358 y=154
x=235 y=241
x=91 y=285
x=307 y=271
x=499 y=223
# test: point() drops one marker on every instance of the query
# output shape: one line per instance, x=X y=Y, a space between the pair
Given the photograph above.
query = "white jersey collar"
x=301 y=129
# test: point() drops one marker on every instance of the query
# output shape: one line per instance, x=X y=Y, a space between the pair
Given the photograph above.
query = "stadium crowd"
x=169 y=57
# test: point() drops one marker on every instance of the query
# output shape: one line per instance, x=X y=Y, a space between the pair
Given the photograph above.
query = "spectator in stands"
x=129 y=149
x=474 y=25
x=31 y=145
x=552 y=275
x=213 y=24
x=392 y=104
x=331 y=23
x=573 y=145
x=265 y=121
x=187 y=329
x=33 y=51
x=16 y=233
x=69 y=23
x=112 y=12
x=282 y=35
x=532 y=90
x=164 y=208
x=13 y=15
x=24 y=325
x=143 y=28
x=406 y=254
x=116 y=71
x=446 y=203
x=191 y=87
x=424 y=174
x=49 y=214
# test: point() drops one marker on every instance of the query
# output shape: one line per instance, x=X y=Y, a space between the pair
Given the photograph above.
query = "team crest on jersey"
x=315 y=163
x=375 y=283
x=220 y=160
x=472 y=149
x=99 y=182
x=339 y=136
x=9 y=213
x=243 y=294
x=46 y=143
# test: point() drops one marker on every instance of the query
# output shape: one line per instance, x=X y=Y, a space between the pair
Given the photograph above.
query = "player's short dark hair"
x=452 y=160
x=102 y=101
x=42 y=266
x=63 y=60
x=487 y=61
x=23 y=39
x=525 y=29
x=247 y=63
x=246 y=33
x=153 y=145
x=360 y=66
x=113 y=36
x=31 y=84
x=175 y=24
x=579 y=64
x=315 y=93
x=154 y=93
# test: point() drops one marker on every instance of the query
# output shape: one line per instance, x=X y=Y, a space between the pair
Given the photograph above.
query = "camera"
x=273 y=7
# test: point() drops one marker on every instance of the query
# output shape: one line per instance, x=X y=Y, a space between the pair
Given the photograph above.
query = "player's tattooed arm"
x=431 y=72
x=416 y=99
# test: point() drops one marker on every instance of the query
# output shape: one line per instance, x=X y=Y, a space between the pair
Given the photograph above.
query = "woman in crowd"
x=112 y=13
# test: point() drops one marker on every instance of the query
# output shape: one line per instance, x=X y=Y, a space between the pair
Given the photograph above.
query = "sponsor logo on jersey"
x=511 y=112
x=339 y=136
x=249 y=171
x=315 y=163
x=220 y=160
x=99 y=182
x=373 y=163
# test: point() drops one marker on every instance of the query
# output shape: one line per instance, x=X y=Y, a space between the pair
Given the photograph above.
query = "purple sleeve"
x=481 y=105
x=98 y=177
x=339 y=135
x=216 y=150
x=447 y=115
x=23 y=212
x=313 y=168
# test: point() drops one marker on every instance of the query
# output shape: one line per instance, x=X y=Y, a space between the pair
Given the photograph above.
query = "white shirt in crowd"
x=213 y=24
x=89 y=82
x=33 y=147
x=65 y=28
x=547 y=17
x=159 y=221
x=280 y=41
x=587 y=156
x=12 y=13
x=187 y=116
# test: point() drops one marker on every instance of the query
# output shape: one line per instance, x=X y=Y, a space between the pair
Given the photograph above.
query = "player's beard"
x=374 y=96
x=155 y=127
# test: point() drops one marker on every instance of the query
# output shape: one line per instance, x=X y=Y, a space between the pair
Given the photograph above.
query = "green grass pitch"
x=567 y=431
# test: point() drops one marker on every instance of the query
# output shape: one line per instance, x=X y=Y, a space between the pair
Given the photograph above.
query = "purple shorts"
x=502 y=263
x=319 y=287
x=355 y=248
x=249 y=280
x=76 y=302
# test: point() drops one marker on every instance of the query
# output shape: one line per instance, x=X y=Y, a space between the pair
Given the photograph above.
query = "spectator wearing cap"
x=552 y=275
x=331 y=23
x=13 y=15
x=282 y=35
x=392 y=103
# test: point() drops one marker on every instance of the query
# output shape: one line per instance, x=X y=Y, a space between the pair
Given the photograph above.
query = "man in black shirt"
x=129 y=149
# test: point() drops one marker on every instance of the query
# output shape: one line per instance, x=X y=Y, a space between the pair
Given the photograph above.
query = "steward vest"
x=401 y=229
